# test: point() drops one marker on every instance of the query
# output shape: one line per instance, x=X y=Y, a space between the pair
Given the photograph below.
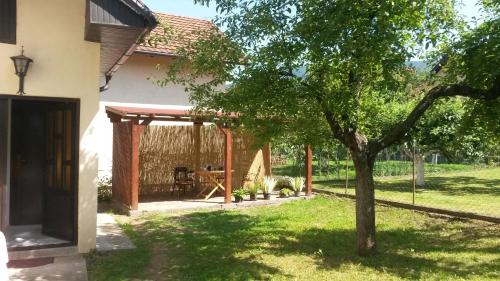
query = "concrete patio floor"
x=212 y=203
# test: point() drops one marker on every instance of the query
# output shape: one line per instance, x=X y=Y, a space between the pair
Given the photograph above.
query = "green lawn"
x=337 y=170
x=302 y=240
x=476 y=191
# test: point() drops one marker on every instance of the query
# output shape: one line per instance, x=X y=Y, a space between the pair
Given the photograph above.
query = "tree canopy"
x=337 y=69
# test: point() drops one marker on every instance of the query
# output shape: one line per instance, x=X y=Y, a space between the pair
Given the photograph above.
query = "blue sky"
x=187 y=8
x=181 y=8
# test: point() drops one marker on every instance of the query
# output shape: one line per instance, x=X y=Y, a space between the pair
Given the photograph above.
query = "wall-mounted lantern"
x=21 y=63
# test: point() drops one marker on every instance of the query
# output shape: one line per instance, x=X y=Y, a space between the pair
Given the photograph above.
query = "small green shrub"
x=283 y=182
x=239 y=194
x=253 y=187
x=104 y=189
x=285 y=192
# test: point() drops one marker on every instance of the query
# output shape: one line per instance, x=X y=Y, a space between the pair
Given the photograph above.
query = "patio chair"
x=182 y=180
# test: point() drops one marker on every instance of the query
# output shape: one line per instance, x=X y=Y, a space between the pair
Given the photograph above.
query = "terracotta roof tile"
x=185 y=29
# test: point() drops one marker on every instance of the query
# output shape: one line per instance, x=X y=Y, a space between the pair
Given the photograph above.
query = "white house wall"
x=131 y=87
x=52 y=33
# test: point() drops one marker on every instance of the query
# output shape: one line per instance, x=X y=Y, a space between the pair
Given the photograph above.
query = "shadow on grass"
x=234 y=246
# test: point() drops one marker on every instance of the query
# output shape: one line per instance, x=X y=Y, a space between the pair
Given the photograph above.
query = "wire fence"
x=408 y=176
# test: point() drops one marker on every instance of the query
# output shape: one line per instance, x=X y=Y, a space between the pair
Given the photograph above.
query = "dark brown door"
x=27 y=162
x=60 y=180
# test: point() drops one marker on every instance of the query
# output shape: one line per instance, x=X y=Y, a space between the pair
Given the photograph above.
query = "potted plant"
x=297 y=184
x=285 y=193
x=283 y=182
x=239 y=194
x=268 y=186
x=252 y=189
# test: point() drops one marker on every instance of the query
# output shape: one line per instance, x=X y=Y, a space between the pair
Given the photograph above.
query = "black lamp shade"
x=21 y=63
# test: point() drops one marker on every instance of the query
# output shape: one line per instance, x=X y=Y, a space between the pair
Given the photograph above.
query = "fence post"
x=346 y=171
x=308 y=168
x=413 y=173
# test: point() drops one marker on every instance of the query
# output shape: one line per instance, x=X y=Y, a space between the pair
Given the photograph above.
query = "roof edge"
x=142 y=9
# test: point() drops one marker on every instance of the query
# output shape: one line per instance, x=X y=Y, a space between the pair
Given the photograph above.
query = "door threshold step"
x=43 y=253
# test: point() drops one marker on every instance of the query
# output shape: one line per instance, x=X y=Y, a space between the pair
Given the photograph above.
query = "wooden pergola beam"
x=197 y=151
x=228 y=143
x=266 y=155
x=121 y=113
x=135 y=135
x=134 y=166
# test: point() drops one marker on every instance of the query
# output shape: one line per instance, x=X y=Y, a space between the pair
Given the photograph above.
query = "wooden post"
x=134 y=165
x=346 y=171
x=266 y=154
x=308 y=166
x=197 y=151
x=228 y=143
x=413 y=173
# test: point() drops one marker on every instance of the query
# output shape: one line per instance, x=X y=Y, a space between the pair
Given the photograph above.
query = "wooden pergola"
x=128 y=125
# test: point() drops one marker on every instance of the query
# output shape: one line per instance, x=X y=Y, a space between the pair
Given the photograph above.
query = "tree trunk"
x=419 y=167
x=365 y=202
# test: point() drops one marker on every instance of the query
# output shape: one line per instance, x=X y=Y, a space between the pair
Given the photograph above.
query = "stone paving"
x=69 y=268
x=110 y=236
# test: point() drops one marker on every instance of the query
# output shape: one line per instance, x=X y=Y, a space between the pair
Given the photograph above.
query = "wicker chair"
x=182 y=180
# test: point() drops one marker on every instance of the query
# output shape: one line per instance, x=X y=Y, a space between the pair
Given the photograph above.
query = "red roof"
x=185 y=29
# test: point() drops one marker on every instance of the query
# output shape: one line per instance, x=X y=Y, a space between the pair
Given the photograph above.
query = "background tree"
x=454 y=129
x=336 y=69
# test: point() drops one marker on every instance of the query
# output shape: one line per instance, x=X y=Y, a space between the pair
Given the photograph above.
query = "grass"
x=337 y=170
x=302 y=240
x=476 y=191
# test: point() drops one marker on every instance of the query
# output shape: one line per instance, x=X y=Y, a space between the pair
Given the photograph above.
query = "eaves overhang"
x=117 y=25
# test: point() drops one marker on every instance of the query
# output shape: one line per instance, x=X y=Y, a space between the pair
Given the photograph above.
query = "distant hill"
x=419 y=66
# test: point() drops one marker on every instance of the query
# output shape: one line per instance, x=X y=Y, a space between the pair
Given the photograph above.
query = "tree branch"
x=400 y=129
x=335 y=127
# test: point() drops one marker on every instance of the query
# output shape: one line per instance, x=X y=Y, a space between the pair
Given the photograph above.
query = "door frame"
x=76 y=162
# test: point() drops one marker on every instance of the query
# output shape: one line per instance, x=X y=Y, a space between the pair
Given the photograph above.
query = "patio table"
x=215 y=180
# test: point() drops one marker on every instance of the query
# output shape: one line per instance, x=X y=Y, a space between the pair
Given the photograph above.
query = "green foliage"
x=285 y=192
x=239 y=193
x=291 y=61
x=269 y=183
x=104 y=188
x=474 y=59
x=283 y=182
x=297 y=183
x=253 y=187
x=461 y=129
